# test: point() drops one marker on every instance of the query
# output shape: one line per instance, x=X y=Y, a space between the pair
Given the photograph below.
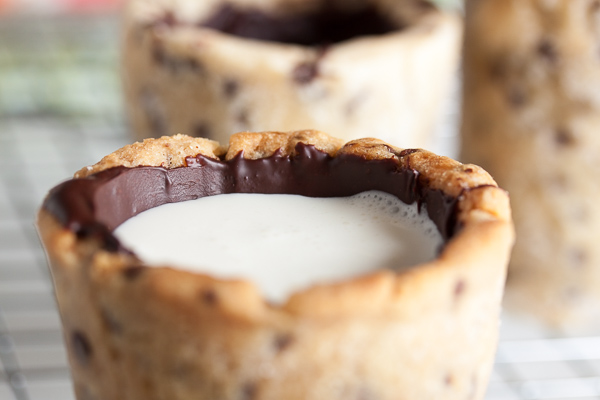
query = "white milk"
x=283 y=243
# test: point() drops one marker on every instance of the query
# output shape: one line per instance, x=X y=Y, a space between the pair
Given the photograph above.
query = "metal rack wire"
x=60 y=110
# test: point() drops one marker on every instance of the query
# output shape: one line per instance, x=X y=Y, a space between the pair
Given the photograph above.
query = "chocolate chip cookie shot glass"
x=136 y=330
x=531 y=117
x=351 y=68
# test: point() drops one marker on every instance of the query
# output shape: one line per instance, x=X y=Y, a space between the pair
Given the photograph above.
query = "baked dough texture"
x=531 y=117
x=181 y=77
x=429 y=332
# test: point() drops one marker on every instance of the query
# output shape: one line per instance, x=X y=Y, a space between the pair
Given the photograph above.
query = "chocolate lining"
x=94 y=206
x=322 y=27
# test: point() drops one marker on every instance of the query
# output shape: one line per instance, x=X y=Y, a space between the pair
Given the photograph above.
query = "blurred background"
x=61 y=109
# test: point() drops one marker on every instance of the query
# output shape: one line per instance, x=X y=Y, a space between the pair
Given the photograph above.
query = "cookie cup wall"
x=154 y=333
x=377 y=84
x=134 y=332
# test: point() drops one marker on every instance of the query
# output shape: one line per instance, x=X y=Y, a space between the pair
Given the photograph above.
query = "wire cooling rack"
x=60 y=110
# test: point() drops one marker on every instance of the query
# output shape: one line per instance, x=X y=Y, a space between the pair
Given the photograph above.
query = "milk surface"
x=283 y=243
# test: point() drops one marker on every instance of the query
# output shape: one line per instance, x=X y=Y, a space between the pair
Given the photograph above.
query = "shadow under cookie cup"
x=135 y=332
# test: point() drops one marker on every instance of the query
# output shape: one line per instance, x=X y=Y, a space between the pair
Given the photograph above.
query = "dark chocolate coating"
x=325 y=26
x=94 y=206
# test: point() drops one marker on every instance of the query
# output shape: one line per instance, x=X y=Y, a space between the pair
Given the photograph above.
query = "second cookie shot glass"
x=362 y=68
x=531 y=118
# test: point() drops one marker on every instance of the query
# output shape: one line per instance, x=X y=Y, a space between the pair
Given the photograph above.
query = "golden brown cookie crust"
x=149 y=333
x=167 y=152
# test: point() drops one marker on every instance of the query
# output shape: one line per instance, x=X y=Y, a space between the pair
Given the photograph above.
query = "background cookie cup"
x=160 y=333
x=530 y=117
x=209 y=68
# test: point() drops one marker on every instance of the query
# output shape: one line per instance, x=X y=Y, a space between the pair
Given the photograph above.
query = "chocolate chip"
x=194 y=65
x=158 y=55
x=242 y=118
x=546 y=49
x=517 y=97
x=209 y=297
x=230 y=88
x=468 y=170
x=449 y=379
x=395 y=152
x=407 y=152
x=112 y=244
x=563 y=137
x=283 y=341
x=82 y=349
x=148 y=384
x=578 y=257
x=114 y=354
x=111 y=323
x=498 y=70
x=201 y=129
x=133 y=272
x=168 y=19
x=459 y=288
x=249 y=391
x=305 y=73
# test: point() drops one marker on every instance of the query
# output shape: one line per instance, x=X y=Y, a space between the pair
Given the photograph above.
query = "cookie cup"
x=135 y=332
x=181 y=76
x=530 y=117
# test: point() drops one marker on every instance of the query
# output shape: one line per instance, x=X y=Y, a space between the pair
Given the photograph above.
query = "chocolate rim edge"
x=480 y=206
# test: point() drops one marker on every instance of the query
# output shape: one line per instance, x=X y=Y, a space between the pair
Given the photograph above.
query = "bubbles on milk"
x=377 y=205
